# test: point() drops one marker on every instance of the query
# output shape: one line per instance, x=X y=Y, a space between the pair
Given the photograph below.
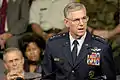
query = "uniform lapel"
x=85 y=49
x=66 y=49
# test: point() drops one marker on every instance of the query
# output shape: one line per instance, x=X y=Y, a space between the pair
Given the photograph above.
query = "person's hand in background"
x=3 y=38
x=14 y=74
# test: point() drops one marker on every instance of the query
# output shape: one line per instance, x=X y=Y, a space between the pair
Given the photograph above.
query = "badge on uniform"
x=95 y=49
x=91 y=74
x=94 y=57
x=57 y=59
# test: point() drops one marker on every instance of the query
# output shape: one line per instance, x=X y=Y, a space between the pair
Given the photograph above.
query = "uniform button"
x=73 y=71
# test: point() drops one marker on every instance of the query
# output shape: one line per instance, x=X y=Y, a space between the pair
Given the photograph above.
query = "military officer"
x=77 y=55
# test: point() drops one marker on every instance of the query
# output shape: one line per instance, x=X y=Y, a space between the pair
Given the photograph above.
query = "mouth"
x=80 y=28
x=33 y=57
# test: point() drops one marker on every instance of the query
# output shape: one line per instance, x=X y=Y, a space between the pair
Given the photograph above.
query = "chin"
x=80 y=34
x=33 y=60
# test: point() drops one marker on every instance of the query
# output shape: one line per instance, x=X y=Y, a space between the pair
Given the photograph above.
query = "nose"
x=14 y=63
x=80 y=22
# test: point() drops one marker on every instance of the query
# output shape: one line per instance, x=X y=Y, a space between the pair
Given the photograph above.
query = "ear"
x=6 y=67
x=87 y=18
x=66 y=22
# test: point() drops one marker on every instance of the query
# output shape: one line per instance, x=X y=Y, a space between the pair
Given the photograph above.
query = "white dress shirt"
x=48 y=13
x=80 y=41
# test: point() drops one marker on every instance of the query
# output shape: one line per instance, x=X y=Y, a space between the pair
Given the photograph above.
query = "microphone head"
x=19 y=78
x=31 y=76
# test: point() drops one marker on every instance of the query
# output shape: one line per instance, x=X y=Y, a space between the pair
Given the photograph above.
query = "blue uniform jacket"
x=94 y=60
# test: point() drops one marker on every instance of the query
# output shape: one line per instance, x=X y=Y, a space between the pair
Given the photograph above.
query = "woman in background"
x=32 y=46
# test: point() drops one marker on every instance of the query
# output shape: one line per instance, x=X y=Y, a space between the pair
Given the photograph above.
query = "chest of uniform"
x=94 y=57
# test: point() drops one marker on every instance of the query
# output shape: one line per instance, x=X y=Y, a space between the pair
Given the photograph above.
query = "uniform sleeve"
x=107 y=62
x=35 y=13
x=47 y=66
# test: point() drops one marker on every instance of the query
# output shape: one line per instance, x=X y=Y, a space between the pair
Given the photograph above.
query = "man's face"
x=14 y=61
x=77 y=23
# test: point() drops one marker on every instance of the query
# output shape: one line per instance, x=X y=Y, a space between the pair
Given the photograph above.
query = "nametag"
x=56 y=59
x=42 y=9
x=93 y=59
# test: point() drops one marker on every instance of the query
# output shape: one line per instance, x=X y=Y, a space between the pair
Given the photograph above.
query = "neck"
x=32 y=68
x=75 y=36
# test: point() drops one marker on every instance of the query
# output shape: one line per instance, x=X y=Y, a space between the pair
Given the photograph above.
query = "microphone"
x=50 y=75
x=31 y=76
x=40 y=77
x=19 y=78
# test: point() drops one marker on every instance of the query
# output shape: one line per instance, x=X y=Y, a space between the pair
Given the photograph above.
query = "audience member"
x=47 y=16
x=14 y=15
x=106 y=34
x=117 y=48
x=14 y=61
x=83 y=56
x=32 y=47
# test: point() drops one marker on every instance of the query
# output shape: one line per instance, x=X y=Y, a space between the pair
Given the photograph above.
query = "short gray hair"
x=73 y=6
x=8 y=50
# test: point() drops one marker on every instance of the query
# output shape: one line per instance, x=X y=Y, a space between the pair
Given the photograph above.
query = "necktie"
x=3 y=16
x=74 y=51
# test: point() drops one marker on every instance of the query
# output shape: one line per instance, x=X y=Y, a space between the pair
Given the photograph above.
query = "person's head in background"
x=32 y=47
x=76 y=19
x=13 y=60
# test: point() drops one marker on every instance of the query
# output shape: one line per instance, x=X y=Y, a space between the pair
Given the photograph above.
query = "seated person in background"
x=32 y=47
x=14 y=61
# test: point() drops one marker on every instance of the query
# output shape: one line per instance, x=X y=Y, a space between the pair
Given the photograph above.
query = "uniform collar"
x=79 y=40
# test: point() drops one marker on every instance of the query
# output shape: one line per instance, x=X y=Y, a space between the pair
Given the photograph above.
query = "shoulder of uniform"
x=57 y=36
x=100 y=39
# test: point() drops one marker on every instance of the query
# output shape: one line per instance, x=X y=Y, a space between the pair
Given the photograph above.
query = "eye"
x=76 y=19
x=10 y=61
x=16 y=59
x=85 y=17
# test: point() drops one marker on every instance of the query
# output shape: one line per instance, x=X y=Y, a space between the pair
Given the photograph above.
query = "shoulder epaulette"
x=100 y=39
x=57 y=36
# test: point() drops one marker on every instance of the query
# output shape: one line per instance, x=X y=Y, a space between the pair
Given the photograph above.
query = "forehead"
x=78 y=14
x=31 y=44
x=13 y=55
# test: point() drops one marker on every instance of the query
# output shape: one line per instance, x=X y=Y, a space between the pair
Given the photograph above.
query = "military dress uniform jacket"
x=94 y=60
